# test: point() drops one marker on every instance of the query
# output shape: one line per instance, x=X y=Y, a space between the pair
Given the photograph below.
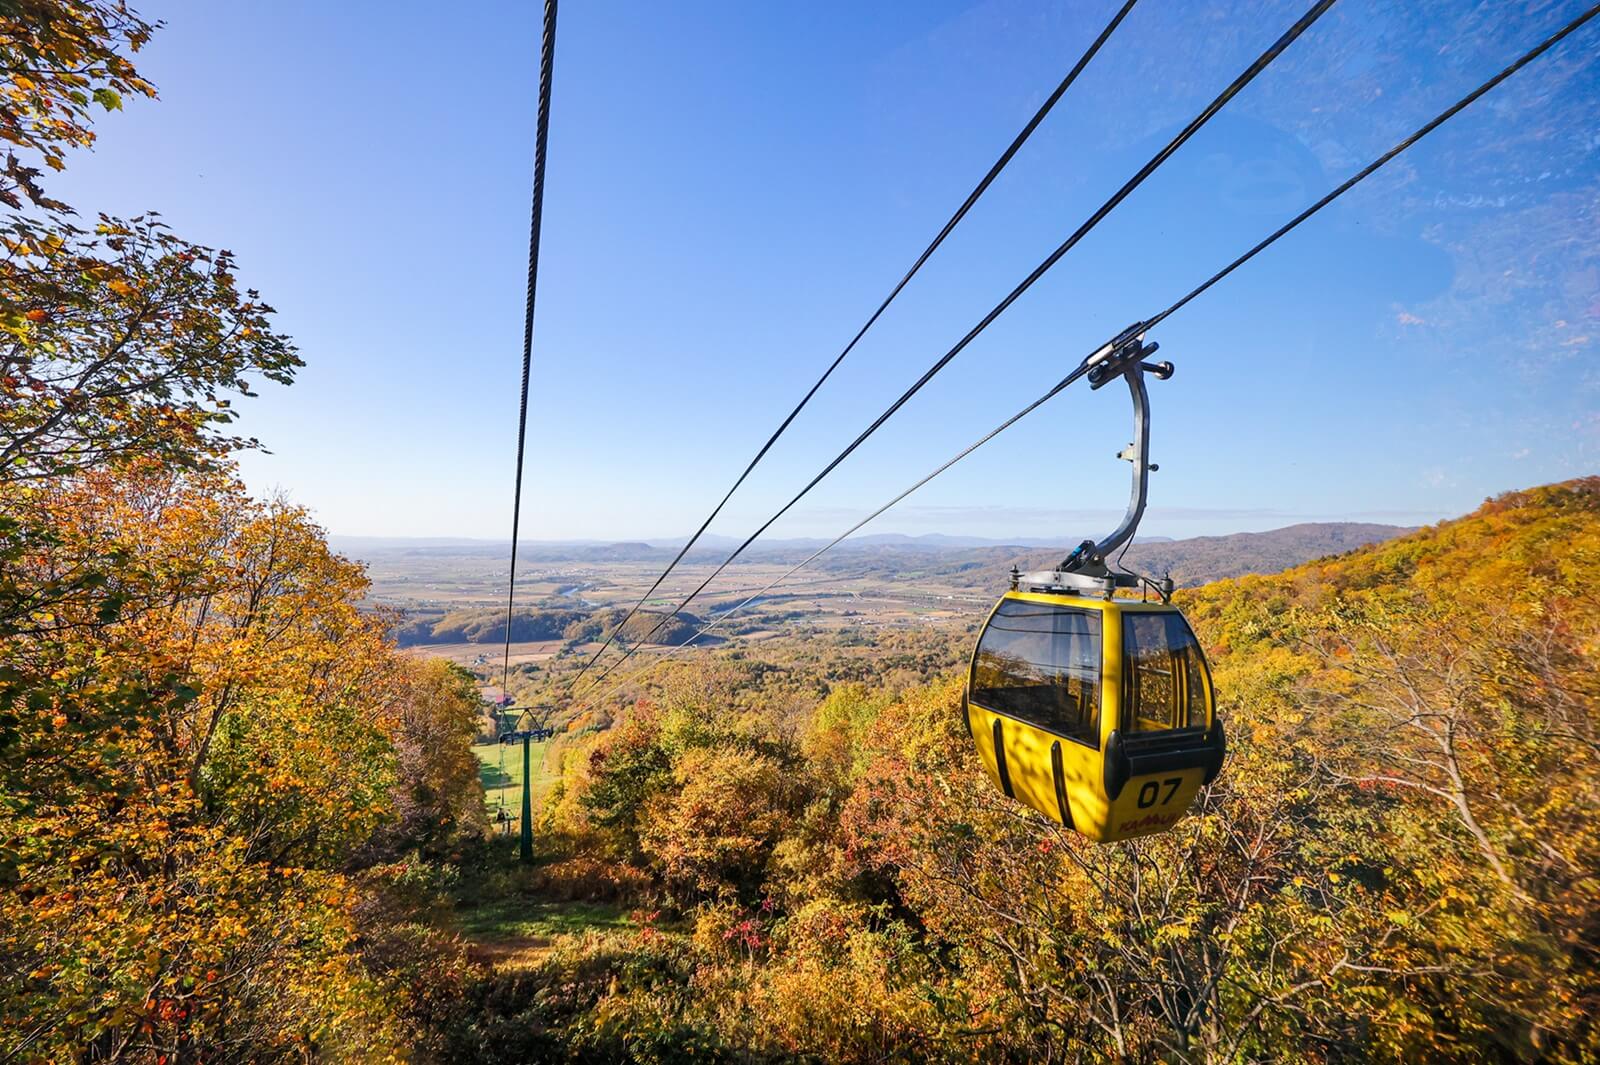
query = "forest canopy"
x=1396 y=865
x=579 y=626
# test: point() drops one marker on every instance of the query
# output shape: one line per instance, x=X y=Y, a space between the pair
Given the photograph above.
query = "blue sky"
x=734 y=186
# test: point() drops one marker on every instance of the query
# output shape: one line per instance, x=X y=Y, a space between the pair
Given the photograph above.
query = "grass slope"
x=502 y=783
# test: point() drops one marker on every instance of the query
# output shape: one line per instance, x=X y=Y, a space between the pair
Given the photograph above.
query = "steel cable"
x=547 y=50
x=1084 y=366
x=955 y=219
x=1250 y=73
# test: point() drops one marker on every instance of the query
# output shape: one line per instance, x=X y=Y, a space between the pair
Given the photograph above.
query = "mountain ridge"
x=1280 y=547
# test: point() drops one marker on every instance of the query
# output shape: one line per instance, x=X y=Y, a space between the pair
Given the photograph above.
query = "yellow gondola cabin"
x=1097 y=711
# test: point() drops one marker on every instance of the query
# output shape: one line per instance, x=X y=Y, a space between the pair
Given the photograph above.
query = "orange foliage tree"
x=187 y=778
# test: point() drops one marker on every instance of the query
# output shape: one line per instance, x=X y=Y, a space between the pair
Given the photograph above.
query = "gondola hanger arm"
x=1085 y=569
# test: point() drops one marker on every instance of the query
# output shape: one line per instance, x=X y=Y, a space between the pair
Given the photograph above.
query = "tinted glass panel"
x=1162 y=664
x=1041 y=664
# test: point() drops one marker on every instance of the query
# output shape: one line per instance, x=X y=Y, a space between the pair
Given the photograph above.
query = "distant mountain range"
x=1189 y=562
x=1202 y=559
x=641 y=548
x=977 y=561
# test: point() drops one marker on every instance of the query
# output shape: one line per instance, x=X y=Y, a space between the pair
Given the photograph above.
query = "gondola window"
x=1163 y=683
x=1041 y=664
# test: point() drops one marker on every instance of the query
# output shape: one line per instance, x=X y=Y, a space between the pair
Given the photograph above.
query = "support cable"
x=955 y=219
x=727 y=615
x=1141 y=327
x=547 y=50
x=1361 y=175
x=1261 y=63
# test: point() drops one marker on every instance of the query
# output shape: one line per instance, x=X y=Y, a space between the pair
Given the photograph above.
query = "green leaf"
x=108 y=99
x=111 y=608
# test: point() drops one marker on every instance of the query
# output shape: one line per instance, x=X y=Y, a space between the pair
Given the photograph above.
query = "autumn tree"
x=206 y=744
x=120 y=343
x=185 y=777
x=62 y=61
x=438 y=796
x=124 y=342
x=1443 y=684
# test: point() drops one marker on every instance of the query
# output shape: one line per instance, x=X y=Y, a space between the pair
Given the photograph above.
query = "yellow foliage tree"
x=186 y=776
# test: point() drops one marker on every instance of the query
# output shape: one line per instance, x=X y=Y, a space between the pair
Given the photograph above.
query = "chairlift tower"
x=540 y=730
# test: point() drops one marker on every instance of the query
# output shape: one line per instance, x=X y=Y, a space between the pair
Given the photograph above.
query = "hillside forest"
x=573 y=626
x=240 y=823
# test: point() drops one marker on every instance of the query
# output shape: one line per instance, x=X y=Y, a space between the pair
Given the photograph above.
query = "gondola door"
x=1165 y=741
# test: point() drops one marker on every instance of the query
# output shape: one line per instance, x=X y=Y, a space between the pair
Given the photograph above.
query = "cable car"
x=1097 y=711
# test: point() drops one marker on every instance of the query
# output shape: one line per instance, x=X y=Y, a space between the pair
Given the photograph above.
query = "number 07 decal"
x=1151 y=791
